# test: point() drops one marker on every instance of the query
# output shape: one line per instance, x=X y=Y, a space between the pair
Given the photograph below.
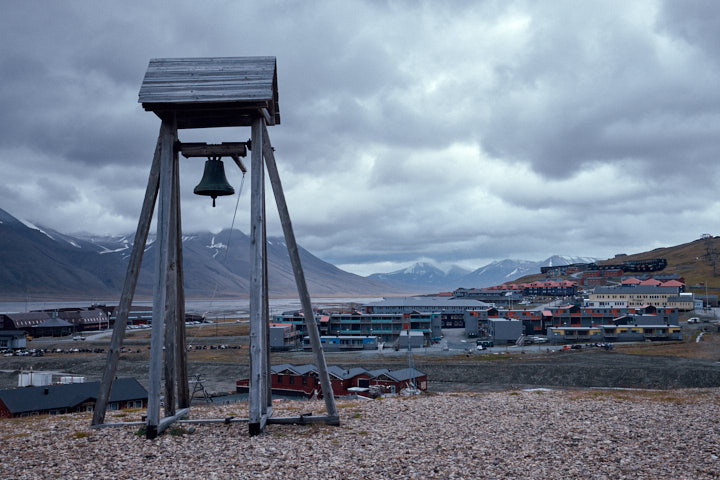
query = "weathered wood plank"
x=167 y=421
x=167 y=137
x=128 y=292
x=305 y=420
x=171 y=298
x=257 y=333
x=209 y=79
x=225 y=149
x=183 y=388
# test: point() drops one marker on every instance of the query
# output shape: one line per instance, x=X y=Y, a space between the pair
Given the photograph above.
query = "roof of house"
x=404 y=374
x=640 y=289
x=212 y=91
x=35 y=399
x=84 y=316
x=54 y=322
x=12 y=333
x=377 y=372
x=343 y=374
x=680 y=299
x=29 y=319
x=434 y=302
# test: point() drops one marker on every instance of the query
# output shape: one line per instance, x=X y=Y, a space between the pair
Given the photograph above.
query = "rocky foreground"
x=589 y=434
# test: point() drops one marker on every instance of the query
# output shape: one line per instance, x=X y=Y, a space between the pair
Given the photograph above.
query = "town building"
x=504 y=330
x=537 y=321
x=450 y=309
x=284 y=336
x=615 y=332
x=55 y=322
x=707 y=300
x=68 y=398
x=550 y=288
x=345 y=343
x=12 y=340
x=636 y=296
x=501 y=295
x=509 y=293
x=386 y=327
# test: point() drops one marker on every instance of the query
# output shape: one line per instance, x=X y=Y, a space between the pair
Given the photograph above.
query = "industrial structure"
x=191 y=93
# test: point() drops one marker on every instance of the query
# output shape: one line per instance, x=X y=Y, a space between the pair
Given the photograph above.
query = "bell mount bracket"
x=234 y=150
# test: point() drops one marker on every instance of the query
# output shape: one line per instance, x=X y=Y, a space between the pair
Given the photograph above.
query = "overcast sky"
x=456 y=132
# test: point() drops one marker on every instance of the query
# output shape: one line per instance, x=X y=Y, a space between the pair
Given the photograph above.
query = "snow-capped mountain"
x=422 y=277
x=559 y=260
x=499 y=272
x=37 y=261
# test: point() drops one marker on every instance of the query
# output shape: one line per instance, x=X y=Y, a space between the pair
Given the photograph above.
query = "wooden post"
x=183 y=388
x=303 y=293
x=171 y=298
x=257 y=302
x=128 y=292
x=167 y=137
x=267 y=393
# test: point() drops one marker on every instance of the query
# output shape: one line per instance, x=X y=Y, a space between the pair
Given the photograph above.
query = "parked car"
x=693 y=320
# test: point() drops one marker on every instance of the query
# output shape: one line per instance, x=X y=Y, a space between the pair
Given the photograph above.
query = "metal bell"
x=214 y=182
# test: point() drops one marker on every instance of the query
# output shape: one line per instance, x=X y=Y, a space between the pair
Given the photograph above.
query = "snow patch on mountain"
x=216 y=246
x=35 y=227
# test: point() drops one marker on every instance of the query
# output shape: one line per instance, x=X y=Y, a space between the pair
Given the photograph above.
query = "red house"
x=302 y=380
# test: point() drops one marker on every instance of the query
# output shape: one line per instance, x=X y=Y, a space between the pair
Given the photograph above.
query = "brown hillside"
x=689 y=260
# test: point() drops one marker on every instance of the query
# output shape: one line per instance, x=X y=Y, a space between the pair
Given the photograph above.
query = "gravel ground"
x=590 y=434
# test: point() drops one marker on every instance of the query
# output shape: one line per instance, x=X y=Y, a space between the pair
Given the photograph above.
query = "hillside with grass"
x=692 y=261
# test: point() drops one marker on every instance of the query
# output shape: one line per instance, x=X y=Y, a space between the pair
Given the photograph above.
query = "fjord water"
x=210 y=308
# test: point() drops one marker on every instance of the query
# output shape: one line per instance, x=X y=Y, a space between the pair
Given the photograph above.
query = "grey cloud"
x=375 y=100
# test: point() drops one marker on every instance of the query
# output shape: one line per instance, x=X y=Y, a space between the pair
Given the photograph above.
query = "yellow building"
x=638 y=296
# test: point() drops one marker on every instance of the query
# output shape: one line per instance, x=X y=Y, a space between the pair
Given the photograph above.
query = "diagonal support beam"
x=303 y=293
x=128 y=292
x=162 y=265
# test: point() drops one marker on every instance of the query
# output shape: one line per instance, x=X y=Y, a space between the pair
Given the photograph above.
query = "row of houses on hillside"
x=302 y=380
x=547 y=288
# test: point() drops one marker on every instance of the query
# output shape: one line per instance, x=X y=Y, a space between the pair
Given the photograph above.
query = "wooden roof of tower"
x=211 y=92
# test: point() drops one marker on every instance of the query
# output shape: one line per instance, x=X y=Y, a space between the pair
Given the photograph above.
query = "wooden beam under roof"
x=224 y=149
x=235 y=150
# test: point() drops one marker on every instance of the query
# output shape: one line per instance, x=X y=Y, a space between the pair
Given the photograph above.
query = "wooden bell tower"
x=208 y=93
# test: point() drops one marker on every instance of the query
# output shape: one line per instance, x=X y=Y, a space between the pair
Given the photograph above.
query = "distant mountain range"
x=40 y=262
x=426 y=277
